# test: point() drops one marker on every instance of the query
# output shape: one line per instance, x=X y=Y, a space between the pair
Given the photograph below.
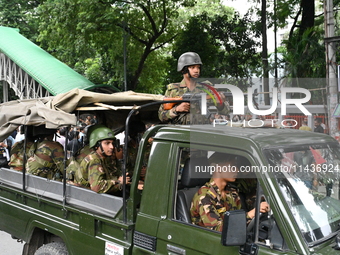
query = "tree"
x=195 y=37
x=226 y=45
x=20 y=14
x=70 y=28
x=237 y=40
x=304 y=41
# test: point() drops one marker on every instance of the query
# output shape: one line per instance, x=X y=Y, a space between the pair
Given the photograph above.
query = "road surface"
x=9 y=246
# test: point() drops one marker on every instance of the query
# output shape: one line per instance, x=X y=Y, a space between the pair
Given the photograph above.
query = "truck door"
x=176 y=233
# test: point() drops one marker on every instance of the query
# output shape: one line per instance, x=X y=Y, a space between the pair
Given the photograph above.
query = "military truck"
x=296 y=172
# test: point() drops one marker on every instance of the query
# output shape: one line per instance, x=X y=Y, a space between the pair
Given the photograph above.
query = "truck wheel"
x=56 y=248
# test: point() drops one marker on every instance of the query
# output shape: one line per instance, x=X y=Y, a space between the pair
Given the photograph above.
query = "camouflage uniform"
x=208 y=206
x=46 y=159
x=131 y=159
x=74 y=162
x=17 y=155
x=98 y=174
x=176 y=90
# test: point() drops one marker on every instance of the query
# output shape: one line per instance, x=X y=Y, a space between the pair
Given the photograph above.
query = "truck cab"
x=296 y=175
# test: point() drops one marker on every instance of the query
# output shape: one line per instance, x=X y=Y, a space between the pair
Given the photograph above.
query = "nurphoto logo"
x=238 y=100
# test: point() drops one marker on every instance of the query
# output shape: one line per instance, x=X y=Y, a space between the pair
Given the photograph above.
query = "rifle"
x=188 y=97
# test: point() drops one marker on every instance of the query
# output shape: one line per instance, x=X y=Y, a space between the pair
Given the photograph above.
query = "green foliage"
x=195 y=37
x=20 y=14
x=226 y=45
x=210 y=8
x=89 y=36
x=304 y=57
x=82 y=29
x=239 y=41
x=92 y=70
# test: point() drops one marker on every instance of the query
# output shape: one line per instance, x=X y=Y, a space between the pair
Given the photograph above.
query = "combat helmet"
x=188 y=59
x=41 y=131
x=99 y=133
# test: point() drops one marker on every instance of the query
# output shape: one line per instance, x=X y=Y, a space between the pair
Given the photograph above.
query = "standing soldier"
x=45 y=155
x=189 y=64
x=95 y=172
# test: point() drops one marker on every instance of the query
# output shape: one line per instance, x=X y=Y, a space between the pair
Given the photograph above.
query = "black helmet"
x=188 y=59
x=42 y=131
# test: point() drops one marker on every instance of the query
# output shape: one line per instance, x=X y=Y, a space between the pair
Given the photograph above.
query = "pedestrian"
x=73 y=145
x=304 y=126
x=317 y=126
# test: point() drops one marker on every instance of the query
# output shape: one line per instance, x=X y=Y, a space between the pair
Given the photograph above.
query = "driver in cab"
x=217 y=196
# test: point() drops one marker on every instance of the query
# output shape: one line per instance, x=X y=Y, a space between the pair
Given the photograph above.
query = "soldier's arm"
x=205 y=206
x=166 y=115
x=98 y=181
x=223 y=109
x=210 y=216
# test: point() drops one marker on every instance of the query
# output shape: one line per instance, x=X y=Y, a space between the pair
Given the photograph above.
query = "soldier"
x=189 y=64
x=216 y=197
x=45 y=156
x=136 y=130
x=17 y=152
x=96 y=171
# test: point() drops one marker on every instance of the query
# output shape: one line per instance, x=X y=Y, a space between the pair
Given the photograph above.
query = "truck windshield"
x=308 y=177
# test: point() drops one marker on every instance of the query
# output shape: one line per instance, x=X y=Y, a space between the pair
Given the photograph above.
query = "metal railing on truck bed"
x=89 y=200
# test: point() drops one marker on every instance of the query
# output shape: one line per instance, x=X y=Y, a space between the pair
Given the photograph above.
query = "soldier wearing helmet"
x=95 y=171
x=189 y=64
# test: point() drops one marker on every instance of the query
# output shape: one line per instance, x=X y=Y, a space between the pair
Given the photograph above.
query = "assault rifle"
x=190 y=97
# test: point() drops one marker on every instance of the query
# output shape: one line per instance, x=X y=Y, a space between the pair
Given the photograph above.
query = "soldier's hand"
x=140 y=185
x=128 y=179
x=183 y=107
x=119 y=154
x=222 y=96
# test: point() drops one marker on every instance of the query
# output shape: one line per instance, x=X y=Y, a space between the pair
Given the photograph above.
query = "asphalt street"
x=9 y=246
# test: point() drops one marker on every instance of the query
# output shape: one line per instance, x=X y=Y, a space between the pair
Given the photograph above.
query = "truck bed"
x=83 y=198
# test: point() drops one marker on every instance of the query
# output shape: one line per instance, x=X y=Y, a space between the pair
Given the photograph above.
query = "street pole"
x=125 y=54
x=332 y=91
x=275 y=46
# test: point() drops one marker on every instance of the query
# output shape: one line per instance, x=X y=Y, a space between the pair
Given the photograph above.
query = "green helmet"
x=188 y=59
x=99 y=133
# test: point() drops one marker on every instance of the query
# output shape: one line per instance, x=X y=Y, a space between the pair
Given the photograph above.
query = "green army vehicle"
x=296 y=172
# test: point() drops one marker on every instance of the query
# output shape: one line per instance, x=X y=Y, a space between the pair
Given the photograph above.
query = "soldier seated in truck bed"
x=95 y=172
x=45 y=156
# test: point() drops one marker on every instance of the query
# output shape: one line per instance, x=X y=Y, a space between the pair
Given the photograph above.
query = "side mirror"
x=234 y=232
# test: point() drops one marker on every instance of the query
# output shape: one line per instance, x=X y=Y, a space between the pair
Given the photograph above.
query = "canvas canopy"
x=61 y=110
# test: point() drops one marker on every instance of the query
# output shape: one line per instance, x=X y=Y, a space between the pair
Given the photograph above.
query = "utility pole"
x=265 y=52
x=331 y=67
x=275 y=46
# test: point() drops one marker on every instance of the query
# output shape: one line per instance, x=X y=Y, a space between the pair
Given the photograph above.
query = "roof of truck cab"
x=238 y=136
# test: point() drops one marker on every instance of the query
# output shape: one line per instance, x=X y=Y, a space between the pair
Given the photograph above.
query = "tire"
x=57 y=248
